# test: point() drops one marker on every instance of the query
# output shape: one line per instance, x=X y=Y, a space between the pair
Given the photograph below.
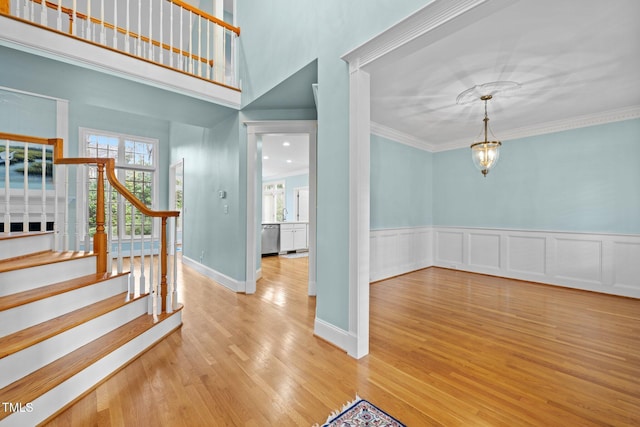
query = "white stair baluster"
x=115 y=25
x=142 y=284
x=127 y=40
x=199 y=62
x=190 y=42
x=139 y=41
x=171 y=10
x=132 y=270
x=74 y=20
x=208 y=64
x=25 y=194
x=120 y=227
x=103 y=35
x=7 y=192
x=150 y=55
x=109 y=225
x=43 y=13
x=43 y=217
x=180 y=56
x=88 y=34
x=59 y=21
x=161 y=40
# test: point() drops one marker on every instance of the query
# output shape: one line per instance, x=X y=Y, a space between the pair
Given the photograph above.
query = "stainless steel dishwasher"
x=270 y=239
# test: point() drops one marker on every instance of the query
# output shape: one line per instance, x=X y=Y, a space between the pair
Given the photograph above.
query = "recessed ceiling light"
x=265 y=157
x=286 y=144
x=288 y=160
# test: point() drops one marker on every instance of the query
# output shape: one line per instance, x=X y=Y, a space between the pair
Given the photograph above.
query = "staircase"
x=63 y=327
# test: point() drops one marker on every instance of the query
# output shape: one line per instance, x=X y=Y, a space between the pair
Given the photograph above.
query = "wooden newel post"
x=100 y=238
x=4 y=7
x=163 y=264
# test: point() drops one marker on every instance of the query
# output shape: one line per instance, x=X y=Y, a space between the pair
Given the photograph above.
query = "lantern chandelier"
x=485 y=154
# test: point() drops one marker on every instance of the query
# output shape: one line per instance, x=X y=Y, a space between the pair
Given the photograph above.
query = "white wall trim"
x=222 y=279
x=598 y=262
x=254 y=129
x=336 y=336
x=396 y=251
x=601 y=118
x=401 y=137
x=410 y=28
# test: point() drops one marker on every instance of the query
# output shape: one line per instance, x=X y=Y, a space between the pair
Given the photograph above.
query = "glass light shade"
x=485 y=155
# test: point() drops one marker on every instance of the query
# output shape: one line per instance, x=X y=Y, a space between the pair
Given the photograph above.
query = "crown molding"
x=618 y=115
x=401 y=137
x=418 y=24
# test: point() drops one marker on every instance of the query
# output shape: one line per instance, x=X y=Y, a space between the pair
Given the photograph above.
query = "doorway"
x=255 y=131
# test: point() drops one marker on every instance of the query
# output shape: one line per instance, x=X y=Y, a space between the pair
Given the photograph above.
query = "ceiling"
x=574 y=59
x=284 y=155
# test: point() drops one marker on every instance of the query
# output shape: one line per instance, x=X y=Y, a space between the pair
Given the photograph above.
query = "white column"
x=359 y=158
x=218 y=43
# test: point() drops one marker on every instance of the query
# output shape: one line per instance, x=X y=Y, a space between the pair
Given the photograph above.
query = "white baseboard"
x=336 y=336
x=222 y=279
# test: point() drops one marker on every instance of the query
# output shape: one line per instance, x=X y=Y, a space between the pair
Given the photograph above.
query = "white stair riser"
x=35 y=357
x=27 y=315
x=51 y=402
x=12 y=282
x=10 y=248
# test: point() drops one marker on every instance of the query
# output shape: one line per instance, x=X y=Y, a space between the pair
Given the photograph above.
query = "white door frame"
x=172 y=201
x=254 y=130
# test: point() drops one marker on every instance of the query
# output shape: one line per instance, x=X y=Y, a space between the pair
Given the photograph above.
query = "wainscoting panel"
x=450 y=245
x=606 y=263
x=526 y=254
x=399 y=251
x=484 y=250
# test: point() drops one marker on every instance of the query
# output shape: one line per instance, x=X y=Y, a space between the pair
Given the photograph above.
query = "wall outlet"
x=226 y=209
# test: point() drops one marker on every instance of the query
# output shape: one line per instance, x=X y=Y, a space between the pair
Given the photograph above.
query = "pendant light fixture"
x=485 y=154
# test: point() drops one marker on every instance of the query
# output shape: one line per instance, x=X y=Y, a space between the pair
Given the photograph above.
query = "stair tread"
x=24 y=338
x=40 y=258
x=19 y=234
x=31 y=295
x=30 y=387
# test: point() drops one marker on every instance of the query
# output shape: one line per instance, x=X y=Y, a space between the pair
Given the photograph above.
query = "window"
x=136 y=160
x=273 y=208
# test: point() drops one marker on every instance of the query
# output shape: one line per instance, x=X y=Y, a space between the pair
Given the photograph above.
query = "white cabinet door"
x=293 y=237
x=300 y=237
x=286 y=238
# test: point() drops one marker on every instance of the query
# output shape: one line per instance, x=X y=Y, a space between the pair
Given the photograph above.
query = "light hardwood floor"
x=448 y=348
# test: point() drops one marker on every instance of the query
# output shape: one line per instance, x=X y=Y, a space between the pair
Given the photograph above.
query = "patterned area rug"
x=360 y=413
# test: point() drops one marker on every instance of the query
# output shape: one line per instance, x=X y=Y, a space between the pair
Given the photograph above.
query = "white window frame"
x=282 y=192
x=121 y=168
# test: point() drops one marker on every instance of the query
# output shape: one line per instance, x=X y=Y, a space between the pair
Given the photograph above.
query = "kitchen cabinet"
x=293 y=236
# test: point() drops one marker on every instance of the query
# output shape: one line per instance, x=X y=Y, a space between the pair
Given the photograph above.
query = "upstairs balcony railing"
x=171 y=33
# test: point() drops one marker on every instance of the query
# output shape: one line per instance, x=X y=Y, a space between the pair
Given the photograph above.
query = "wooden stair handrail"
x=99 y=238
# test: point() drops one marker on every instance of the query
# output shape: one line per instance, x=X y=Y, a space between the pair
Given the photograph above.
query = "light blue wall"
x=401 y=185
x=297 y=32
x=212 y=236
x=26 y=114
x=290 y=184
x=585 y=180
